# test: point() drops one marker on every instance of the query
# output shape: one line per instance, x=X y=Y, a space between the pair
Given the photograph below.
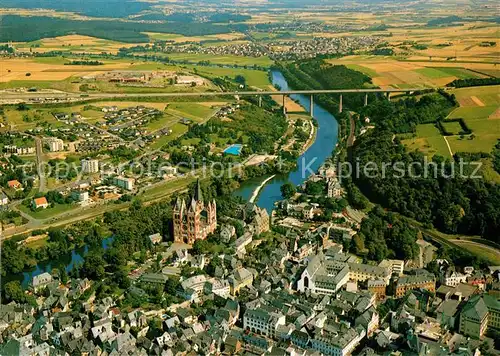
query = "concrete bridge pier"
x=312 y=106
x=284 y=104
x=340 y=104
x=260 y=101
x=366 y=99
x=388 y=96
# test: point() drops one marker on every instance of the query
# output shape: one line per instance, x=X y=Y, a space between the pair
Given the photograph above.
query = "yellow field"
x=73 y=43
x=388 y=72
x=16 y=69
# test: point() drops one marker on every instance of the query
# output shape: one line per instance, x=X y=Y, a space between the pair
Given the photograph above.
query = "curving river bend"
x=313 y=158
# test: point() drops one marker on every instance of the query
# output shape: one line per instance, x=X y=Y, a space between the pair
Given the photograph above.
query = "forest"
x=403 y=116
x=318 y=74
x=453 y=204
x=385 y=235
x=473 y=82
x=96 y=8
x=24 y=29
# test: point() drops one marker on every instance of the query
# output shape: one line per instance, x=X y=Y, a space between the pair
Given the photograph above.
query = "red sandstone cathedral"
x=194 y=222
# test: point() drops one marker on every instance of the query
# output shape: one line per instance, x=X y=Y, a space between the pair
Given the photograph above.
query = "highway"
x=64 y=95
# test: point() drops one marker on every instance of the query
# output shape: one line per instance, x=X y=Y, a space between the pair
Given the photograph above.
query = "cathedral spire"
x=198 y=196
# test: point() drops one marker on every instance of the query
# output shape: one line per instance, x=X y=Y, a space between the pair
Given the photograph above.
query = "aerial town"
x=307 y=296
x=272 y=177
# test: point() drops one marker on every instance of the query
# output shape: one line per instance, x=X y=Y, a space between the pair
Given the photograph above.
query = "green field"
x=192 y=111
x=49 y=212
x=487 y=94
x=368 y=71
x=221 y=59
x=486 y=252
x=460 y=73
x=162 y=122
x=428 y=140
x=254 y=78
x=178 y=129
x=453 y=127
x=167 y=188
x=472 y=112
x=432 y=73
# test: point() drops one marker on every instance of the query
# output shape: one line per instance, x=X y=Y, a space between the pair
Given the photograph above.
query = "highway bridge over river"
x=39 y=97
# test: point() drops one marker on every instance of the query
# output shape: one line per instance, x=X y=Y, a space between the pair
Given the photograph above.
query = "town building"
x=90 y=166
x=155 y=238
x=378 y=287
x=474 y=318
x=54 y=144
x=124 y=182
x=41 y=281
x=396 y=266
x=262 y=322
x=40 y=203
x=80 y=196
x=194 y=222
x=408 y=283
x=241 y=278
x=334 y=189
x=453 y=278
x=4 y=200
x=15 y=184
x=327 y=276
x=341 y=343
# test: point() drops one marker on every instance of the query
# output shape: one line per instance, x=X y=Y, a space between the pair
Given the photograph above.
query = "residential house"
x=41 y=281
x=407 y=283
x=474 y=318
x=40 y=203
x=4 y=200
x=15 y=184
x=240 y=279
x=262 y=322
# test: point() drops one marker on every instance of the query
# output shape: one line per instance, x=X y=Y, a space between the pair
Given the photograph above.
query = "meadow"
x=428 y=140
x=393 y=72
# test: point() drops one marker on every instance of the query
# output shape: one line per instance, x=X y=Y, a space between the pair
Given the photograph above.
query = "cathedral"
x=194 y=221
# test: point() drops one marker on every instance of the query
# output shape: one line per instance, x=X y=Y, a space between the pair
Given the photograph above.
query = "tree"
x=200 y=247
x=14 y=292
x=93 y=267
x=288 y=190
x=314 y=188
x=238 y=226
x=240 y=79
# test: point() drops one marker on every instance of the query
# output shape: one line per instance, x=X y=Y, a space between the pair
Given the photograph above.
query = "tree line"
x=24 y=29
x=473 y=82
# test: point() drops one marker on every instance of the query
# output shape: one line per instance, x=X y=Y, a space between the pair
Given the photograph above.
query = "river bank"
x=259 y=188
x=319 y=148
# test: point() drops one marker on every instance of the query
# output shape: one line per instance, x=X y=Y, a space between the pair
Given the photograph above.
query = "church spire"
x=198 y=196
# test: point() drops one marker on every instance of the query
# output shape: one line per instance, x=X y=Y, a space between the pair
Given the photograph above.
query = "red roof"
x=41 y=201
x=13 y=183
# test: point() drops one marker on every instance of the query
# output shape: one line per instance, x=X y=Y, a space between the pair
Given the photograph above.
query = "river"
x=313 y=158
